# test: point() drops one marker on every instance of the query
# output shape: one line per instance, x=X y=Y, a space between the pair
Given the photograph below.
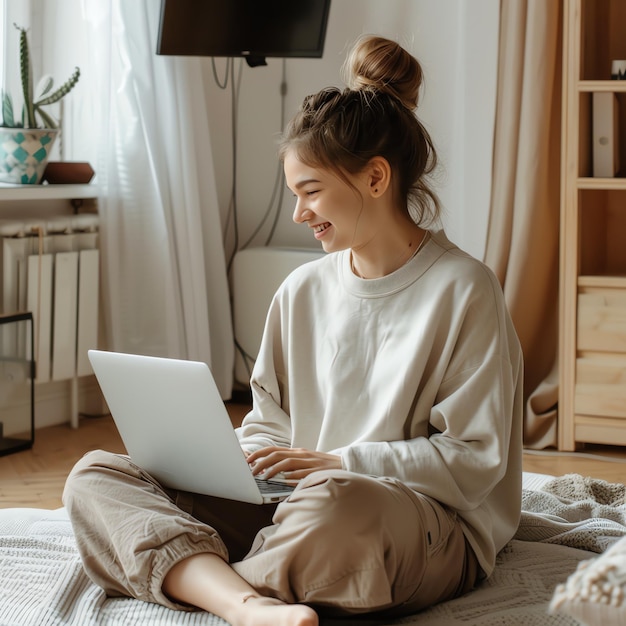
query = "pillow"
x=596 y=592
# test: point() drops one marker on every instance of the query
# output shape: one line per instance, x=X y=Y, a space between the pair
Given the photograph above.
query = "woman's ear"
x=378 y=176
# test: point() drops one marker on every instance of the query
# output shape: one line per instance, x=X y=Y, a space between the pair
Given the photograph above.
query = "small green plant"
x=32 y=111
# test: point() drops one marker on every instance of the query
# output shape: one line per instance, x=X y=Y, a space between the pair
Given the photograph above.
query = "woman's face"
x=335 y=211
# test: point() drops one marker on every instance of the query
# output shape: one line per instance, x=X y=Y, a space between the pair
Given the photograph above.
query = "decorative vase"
x=24 y=153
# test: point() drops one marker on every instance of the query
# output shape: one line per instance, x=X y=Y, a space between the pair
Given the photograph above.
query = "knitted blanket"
x=576 y=511
x=42 y=582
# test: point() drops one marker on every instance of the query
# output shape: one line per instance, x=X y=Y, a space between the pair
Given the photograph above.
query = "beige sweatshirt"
x=416 y=375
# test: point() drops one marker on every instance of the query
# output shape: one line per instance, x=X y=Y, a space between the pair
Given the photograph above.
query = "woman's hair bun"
x=381 y=64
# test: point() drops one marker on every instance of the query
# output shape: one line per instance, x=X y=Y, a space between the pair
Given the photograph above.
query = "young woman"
x=388 y=384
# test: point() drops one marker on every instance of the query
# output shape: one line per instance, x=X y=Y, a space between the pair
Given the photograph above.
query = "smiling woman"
x=355 y=215
x=387 y=385
x=364 y=184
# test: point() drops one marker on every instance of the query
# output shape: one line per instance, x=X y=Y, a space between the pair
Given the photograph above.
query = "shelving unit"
x=592 y=393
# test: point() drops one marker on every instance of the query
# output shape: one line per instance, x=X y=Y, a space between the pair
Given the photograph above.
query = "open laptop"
x=174 y=425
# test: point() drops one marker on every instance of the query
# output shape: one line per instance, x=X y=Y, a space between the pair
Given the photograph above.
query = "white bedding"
x=42 y=582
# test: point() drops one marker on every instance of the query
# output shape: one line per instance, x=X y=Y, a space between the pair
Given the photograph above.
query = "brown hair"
x=343 y=129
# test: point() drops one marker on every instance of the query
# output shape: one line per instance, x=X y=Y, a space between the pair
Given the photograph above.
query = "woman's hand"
x=291 y=463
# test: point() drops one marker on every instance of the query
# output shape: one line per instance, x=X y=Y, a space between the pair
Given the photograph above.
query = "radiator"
x=51 y=268
x=257 y=274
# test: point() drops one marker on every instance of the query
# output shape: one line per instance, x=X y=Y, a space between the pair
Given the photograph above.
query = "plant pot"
x=24 y=153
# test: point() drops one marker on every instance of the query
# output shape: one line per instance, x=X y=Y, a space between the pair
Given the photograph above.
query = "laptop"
x=174 y=424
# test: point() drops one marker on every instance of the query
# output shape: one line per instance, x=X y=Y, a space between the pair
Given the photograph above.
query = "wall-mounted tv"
x=253 y=29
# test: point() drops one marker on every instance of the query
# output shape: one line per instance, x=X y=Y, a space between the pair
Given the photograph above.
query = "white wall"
x=456 y=43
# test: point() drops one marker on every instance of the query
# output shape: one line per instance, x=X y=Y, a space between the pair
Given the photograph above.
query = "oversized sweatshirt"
x=416 y=375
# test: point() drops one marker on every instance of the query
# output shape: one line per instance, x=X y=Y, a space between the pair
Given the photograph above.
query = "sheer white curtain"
x=165 y=289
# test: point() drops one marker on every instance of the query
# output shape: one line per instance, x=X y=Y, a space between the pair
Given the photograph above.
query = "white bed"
x=565 y=566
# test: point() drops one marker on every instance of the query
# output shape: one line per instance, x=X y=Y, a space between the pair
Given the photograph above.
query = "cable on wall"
x=232 y=214
x=224 y=84
x=279 y=186
x=275 y=202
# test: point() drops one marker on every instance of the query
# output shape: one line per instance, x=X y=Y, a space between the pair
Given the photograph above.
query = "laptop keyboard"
x=272 y=486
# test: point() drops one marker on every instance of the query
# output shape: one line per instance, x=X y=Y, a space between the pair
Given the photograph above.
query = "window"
x=56 y=42
x=12 y=12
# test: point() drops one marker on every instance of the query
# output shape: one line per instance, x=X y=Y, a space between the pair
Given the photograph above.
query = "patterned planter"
x=24 y=154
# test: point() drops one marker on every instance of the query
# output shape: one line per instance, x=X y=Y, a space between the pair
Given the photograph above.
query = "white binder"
x=605 y=142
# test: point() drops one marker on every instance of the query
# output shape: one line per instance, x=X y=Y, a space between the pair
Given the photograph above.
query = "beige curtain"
x=523 y=236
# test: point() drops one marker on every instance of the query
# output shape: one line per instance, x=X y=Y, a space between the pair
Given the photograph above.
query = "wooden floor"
x=35 y=478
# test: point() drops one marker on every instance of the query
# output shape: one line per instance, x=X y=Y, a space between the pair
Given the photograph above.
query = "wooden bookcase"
x=592 y=394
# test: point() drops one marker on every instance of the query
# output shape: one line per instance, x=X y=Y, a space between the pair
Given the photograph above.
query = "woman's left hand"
x=291 y=463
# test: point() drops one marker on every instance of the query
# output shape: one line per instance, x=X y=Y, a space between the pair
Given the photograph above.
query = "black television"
x=253 y=29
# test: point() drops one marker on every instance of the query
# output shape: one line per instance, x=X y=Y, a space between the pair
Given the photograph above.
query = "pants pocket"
x=439 y=524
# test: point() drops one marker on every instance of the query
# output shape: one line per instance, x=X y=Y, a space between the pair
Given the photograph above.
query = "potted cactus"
x=25 y=143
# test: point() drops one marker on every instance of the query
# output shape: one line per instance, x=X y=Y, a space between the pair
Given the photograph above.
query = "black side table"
x=17 y=382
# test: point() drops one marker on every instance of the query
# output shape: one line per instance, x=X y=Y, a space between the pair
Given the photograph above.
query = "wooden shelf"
x=600 y=430
x=616 y=86
x=601 y=183
x=608 y=282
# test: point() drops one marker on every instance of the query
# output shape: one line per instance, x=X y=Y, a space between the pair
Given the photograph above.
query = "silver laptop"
x=174 y=425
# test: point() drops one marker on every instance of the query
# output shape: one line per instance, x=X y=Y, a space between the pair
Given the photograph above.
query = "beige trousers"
x=343 y=543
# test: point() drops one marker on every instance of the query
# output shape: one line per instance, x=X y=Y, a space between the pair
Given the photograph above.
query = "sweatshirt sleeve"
x=267 y=424
x=466 y=454
x=473 y=417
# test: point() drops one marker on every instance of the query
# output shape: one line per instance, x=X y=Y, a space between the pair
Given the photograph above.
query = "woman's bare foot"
x=262 y=611
x=205 y=580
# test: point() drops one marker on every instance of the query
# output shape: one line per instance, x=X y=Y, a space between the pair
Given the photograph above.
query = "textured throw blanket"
x=575 y=511
x=42 y=582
